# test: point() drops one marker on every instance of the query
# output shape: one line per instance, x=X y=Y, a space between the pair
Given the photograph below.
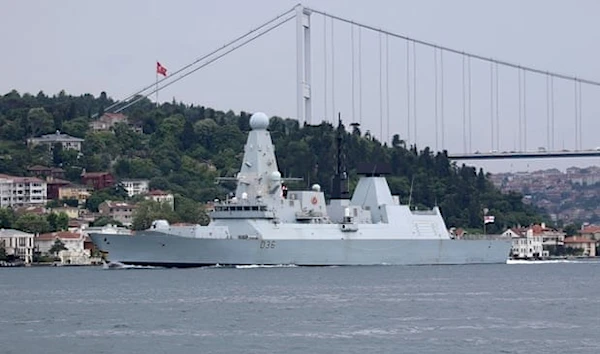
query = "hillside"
x=183 y=148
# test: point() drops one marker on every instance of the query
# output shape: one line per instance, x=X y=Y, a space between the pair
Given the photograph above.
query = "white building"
x=68 y=142
x=19 y=191
x=135 y=186
x=75 y=252
x=17 y=243
x=526 y=245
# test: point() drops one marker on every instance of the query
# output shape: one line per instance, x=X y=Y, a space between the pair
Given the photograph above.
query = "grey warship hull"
x=158 y=249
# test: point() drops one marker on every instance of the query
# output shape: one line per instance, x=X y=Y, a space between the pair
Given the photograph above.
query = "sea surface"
x=513 y=308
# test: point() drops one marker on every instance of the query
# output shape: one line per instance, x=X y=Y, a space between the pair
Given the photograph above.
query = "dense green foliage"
x=183 y=148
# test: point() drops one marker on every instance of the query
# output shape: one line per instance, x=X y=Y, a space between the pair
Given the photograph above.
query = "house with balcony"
x=20 y=191
x=72 y=191
x=17 y=244
x=135 y=186
x=525 y=244
x=119 y=211
x=585 y=245
x=46 y=172
x=75 y=252
x=50 y=140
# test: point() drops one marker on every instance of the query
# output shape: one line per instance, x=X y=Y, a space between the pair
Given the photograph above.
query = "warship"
x=266 y=224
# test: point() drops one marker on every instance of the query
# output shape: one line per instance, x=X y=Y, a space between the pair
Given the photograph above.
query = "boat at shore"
x=265 y=224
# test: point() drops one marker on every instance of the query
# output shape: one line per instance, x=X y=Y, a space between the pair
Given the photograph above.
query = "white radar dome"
x=315 y=187
x=259 y=120
x=275 y=176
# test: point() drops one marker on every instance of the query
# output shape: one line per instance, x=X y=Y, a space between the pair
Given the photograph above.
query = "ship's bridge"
x=241 y=211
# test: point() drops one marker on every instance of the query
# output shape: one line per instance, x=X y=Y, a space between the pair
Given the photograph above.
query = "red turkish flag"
x=161 y=69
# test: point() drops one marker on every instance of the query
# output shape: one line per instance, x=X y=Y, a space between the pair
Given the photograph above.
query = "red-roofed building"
x=73 y=241
x=161 y=197
x=591 y=231
x=587 y=245
x=97 y=180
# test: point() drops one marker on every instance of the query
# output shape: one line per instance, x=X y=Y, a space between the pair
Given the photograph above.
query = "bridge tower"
x=303 y=65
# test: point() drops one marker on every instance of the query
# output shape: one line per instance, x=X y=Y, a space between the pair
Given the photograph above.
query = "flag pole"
x=156 y=73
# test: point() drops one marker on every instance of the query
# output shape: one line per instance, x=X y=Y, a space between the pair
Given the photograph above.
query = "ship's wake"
x=254 y=266
x=119 y=265
x=549 y=261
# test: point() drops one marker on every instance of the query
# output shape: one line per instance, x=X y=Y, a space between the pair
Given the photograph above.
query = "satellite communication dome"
x=315 y=187
x=275 y=176
x=259 y=120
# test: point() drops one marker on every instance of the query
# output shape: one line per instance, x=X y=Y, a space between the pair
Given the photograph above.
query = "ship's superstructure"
x=265 y=223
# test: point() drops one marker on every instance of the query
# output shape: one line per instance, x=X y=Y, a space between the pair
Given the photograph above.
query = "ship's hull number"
x=267 y=244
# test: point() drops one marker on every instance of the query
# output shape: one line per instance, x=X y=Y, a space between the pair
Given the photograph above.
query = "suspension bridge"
x=426 y=93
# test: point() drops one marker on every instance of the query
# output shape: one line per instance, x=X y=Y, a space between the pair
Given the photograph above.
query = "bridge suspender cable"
x=492 y=105
x=459 y=52
x=408 y=92
x=442 y=96
x=497 y=111
x=464 y=106
x=435 y=96
x=380 y=90
x=353 y=66
x=178 y=71
x=415 y=90
x=219 y=56
x=360 y=111
x=387 y=86
x=325 y=68
x=332 y=72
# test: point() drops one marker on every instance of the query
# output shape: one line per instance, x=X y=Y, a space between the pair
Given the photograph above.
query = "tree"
x=148 y=211
x=106 y=220
x=57 y=247
x=32 y=223
x=7 y=218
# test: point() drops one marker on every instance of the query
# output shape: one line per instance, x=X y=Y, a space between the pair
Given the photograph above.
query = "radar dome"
x=259 y=120
x=275 y=176
x=315 y=187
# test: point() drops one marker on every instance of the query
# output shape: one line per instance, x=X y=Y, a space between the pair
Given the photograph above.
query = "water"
x=522 y=308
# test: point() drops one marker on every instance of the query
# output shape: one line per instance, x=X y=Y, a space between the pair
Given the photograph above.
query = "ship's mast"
x=340 y=179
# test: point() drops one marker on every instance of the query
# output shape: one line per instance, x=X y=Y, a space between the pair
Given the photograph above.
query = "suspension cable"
x=407 y=92
x=497 y=111
x=524 y=110
x=464 y=104
x=333 y=71
x=470 y=116
x=231 y=49
x=520 y=112
x=580 y=118
x=435 y=75
x=459 y=52
x=442 y=96
x=198 y=60
x=387 y=85
x=325 y=67
x=360 y=111
x=415 y=89
x=353 y=90
x=380 y=91
x=548 y=112
x=492 y=104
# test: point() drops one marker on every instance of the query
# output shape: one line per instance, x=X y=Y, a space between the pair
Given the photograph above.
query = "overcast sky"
x=113 y=45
